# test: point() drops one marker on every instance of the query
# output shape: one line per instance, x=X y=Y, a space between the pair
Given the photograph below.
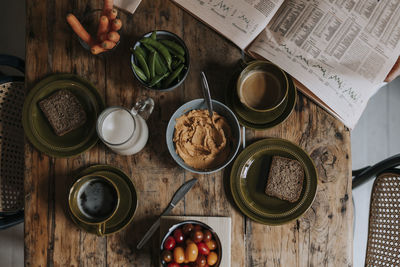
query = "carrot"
x=108 y=5
x=116 y=24
x=103 y=26
x=107 y=44
x=112 y=14
x=79 y=30
x=113 y=36
x=97 y=49
x=102 y=37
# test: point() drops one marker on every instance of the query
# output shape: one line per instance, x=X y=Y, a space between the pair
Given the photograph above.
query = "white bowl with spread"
x=198 y=144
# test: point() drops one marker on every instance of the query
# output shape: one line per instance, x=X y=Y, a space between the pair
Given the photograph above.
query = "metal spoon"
x=206 y=93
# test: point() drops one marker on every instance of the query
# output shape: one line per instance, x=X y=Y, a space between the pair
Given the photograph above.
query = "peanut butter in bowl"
x=202 y=142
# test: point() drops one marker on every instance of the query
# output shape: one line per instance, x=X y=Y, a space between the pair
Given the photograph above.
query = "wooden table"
x=322 y=237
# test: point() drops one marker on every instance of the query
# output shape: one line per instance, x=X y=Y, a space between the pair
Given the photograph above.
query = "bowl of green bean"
x=160 y=60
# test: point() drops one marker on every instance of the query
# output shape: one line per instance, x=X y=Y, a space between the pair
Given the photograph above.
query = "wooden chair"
x=12 y=163
x=383 y=247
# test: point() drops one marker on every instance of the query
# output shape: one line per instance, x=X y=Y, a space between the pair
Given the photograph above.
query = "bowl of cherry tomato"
x=191 y=244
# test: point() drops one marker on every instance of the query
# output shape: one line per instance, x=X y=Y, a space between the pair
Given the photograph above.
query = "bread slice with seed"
x=64 y=112
x=285 y=179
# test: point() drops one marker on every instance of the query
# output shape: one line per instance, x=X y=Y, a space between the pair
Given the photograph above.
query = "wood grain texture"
x=322 y=237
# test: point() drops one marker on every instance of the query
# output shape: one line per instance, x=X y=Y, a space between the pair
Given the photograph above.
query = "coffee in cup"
x=97 y=199
x=94 y=200
x=261 y=90
x=263 y=87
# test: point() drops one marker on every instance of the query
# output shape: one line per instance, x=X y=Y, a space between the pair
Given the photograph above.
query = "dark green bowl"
x=164 y=35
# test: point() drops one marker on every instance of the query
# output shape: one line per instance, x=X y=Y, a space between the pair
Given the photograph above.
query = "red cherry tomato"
x=178 y=235
x=173 y=264
x=207 y=235
x=197 y=236
x=169 y=243
x=201 y=261
x=166 y=255
x=187 y=228
x=203 y=249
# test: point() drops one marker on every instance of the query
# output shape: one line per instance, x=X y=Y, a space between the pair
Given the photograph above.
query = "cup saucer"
x=128 y=202
x=256 y=120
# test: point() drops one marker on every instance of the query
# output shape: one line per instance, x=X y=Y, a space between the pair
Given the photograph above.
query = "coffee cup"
x=94 y=200
x=125 y=130
x=263 y=87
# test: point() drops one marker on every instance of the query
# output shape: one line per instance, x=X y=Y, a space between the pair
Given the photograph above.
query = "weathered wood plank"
x=37 y=166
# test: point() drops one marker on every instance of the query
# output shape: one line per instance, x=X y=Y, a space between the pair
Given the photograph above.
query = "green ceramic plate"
x=128 y=202
x=249 y=177
x=255 y=120
x=38 y=129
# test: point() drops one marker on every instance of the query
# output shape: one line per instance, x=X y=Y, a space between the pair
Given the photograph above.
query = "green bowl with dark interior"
x=164 y=35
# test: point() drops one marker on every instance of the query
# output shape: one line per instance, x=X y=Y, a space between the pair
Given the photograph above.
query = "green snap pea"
x=173 y=75
x=160 y=65
x=181 y=58
x=141 y=51
x=175 y=63
x=149 y=48
x=153 y=35
x=174 y=46
x=152 y=64
x=139 y=72
x=142 y=63
x=158 y=79
x=160 y=48
x=175 y=54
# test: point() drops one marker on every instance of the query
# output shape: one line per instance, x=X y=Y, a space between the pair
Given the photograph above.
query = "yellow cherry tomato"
x=179 y=255
x=211 y=244
x=212 y=258
x=191 y=252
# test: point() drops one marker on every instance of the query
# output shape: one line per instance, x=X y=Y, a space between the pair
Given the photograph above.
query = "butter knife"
x=206 y=93
x=179 y=194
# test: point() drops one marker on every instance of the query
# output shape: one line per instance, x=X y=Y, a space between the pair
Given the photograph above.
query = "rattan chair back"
x=383 y=248
x=11 y=147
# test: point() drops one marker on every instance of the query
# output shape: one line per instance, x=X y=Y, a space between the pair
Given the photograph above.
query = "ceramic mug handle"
x=143 y=107
x=101 y=230
x=245 y=60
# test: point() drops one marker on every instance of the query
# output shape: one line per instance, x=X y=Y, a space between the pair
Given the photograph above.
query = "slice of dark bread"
x=285 y=179
x=64 y=112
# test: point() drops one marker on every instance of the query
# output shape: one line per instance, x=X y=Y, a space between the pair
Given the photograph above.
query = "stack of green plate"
x=128 y=199
x=38 y=129
x=249 y=178
x=256 y=120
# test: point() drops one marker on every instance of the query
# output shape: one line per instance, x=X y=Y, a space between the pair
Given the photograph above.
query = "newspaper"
x=240 y=21
x=340 y=50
